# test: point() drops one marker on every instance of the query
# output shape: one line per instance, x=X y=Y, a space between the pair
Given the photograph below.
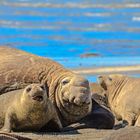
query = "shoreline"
x=108 y=69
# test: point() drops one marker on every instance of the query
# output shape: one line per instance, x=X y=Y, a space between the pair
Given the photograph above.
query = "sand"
x=82 y=134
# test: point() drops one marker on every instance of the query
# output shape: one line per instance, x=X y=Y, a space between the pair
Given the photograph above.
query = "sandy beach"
x=89 y=133
x=82 y=134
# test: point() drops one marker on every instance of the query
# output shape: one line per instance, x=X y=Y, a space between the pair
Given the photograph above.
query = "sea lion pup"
x=123 y=94
x=128 y=133
x=69 y=92
x=27 y=110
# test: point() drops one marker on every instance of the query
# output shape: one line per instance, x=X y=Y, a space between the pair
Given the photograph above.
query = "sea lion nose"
x=86 y=100
x=84 y=97
x=85 y=90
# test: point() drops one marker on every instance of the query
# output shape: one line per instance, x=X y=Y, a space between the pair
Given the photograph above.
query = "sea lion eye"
x=65 y=81
x=100 y=77
x=109 y=78
x=28 y=89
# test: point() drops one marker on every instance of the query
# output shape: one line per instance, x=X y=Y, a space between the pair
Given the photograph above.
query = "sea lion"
x=69 y=92
x=100 y=116
x=123 y=94
x=27 y=110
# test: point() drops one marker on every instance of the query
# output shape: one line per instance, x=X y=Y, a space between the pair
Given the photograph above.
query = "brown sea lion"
x=100 y=116
x=123 y=94
x=69 y=92
x=27 y=110
x=128 y=133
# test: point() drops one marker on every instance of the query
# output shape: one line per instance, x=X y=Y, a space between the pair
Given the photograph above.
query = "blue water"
x=63 y=30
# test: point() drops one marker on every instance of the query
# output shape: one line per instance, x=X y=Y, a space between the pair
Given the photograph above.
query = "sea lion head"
x=112 y=84
x=74 y=97
x=107 y=81
x=76 y=90
x=36 y=92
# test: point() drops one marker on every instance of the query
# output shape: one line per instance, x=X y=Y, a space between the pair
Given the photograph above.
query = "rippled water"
x=66 y=29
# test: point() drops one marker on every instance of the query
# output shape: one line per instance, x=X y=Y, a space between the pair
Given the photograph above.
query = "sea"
x=75 y=33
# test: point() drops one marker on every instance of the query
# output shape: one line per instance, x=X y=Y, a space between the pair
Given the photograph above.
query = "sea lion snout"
x=82 y=95
x=81 y=90
x=36 y=91
x=82 y=101
x=76 y=90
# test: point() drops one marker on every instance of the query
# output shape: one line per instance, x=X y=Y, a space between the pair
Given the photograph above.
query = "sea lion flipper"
x=57 y=122
x=52 y=126
x=74 y=126
x=129 y=118
x=9 y=121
